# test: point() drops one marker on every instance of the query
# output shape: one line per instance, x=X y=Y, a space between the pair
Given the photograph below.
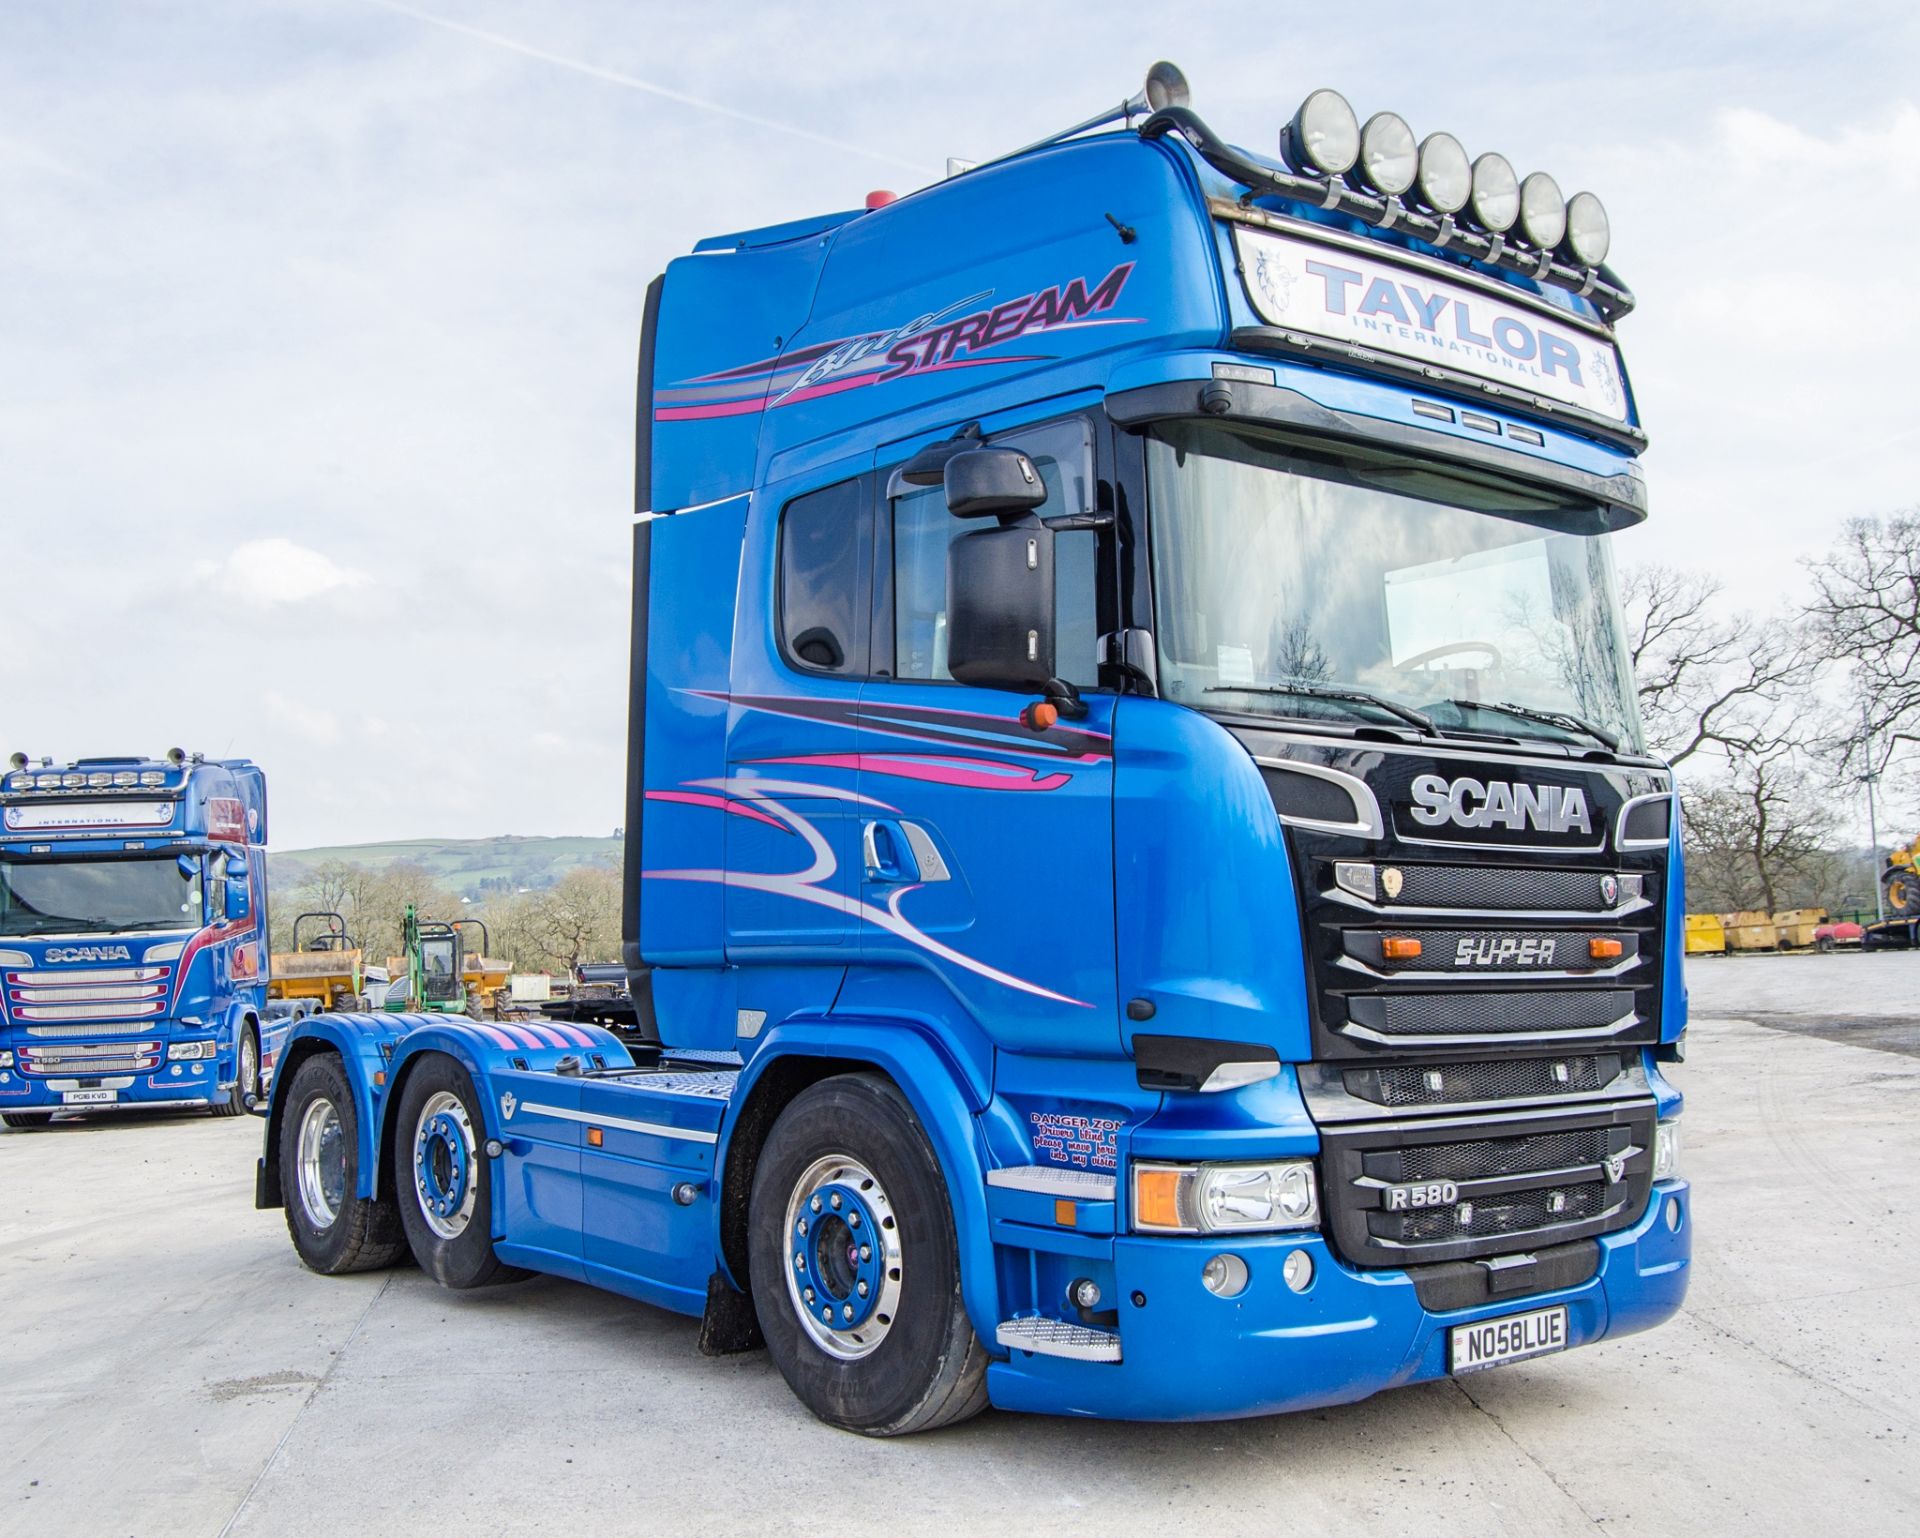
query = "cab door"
x=986 y=848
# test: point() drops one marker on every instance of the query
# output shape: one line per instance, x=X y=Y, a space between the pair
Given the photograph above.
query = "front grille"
x=64 y=1062
x=1490 y=1014
x=1494 y=1079
x=1497 y=887
x=1525 y=1213
x=1412 y=1192
x=1482 y=1158
x=1490 y=950
x=48 y=1000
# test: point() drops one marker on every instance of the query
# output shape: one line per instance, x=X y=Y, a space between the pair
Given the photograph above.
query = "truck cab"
x=1146 y=896
x=132 y=936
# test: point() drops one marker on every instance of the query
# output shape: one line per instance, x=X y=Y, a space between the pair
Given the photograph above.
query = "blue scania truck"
x=1145 y=896
x=133 y=952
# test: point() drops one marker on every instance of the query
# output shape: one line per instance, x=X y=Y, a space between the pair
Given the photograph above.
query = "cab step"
x=1056 y=1337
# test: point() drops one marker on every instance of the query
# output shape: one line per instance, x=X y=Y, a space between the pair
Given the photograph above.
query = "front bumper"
x=170 y=1084
x=1188 y=1355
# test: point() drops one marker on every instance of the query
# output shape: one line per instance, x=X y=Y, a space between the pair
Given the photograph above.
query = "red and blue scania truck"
x=1145 y=895
x=133 y=952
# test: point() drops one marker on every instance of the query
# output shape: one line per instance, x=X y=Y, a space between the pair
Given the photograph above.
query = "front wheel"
x=334 y=1230
x=855 y=1270
x=445 y=1180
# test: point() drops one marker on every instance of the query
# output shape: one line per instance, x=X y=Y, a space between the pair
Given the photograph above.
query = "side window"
x=923 y=528
x=825 y=556
x=217 y=889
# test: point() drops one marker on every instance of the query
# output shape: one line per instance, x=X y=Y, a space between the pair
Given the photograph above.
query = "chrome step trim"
x=1056 y=1337
x=1045 y=1180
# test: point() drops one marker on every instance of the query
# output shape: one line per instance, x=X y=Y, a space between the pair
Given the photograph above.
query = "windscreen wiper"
x=1311 y=691
x=1560 y=718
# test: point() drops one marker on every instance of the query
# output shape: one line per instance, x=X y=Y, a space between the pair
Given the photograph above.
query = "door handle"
x=882 y=850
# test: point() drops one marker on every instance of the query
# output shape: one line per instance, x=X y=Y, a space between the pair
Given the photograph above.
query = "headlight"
x=180 y=1051
x=1446 y=175
x=1224 y=1198
x=1388 y=156
x=6 y=1059
x=1589 y=232
x=1324 y=137
x=1495 y=200
x=1543 y=211
x=1666 y=1151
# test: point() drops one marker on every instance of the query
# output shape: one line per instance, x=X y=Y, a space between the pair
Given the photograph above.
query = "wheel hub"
x=323 y=1163
x=443 y=1173
x=843 y=1257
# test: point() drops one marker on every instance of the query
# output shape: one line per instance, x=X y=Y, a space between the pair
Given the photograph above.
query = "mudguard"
x=375 y=1050
x=943 y=1095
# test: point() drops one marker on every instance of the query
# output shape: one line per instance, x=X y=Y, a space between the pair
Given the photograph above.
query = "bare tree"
x=1758 y=839
x=1709 y=681
x=1867 y=612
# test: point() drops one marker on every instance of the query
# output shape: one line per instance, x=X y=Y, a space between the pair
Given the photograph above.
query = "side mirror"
x=987 y=483
x=236 y=867
x=1000 y=616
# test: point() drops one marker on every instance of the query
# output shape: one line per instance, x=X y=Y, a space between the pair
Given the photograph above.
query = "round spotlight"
x=1298 y=1270
x=1588 y=232
x=1324 y=137
x=1388 y=156
x=1543 y=211
x=1446 y=176
x=1495 y=200
x=1225 y=1276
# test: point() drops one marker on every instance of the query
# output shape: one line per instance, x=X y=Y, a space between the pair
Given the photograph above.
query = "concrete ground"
x=172 y=1369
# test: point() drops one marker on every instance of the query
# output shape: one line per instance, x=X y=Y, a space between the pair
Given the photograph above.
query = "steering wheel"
x=1489 y=651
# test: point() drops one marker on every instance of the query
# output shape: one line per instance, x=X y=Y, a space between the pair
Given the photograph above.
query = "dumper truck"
x=1145 y=892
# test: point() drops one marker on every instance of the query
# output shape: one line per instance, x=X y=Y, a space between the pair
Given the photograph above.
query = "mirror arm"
x=1066 y=699
x=1075 y=521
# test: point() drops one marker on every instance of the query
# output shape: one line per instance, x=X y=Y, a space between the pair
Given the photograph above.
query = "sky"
x=318 y=318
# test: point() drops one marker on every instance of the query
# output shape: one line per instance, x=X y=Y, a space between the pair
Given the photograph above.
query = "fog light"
x=1298 y=1270
x=1446 y=175
x=1225 y=1276
x=1085 y=1293
x=1588 y=232
x=1324 y=137
x=1495 y=198
x=1673 y=1214
x=1388 y=154
x=1543 y=211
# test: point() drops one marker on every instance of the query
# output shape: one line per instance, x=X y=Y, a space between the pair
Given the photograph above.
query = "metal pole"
x=1873 y=823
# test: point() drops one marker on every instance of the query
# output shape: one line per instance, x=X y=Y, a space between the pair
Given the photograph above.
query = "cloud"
x=269 y=573
x=305 y=719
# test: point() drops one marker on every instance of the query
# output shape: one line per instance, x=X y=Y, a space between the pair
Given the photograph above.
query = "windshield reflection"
x=1344 y=583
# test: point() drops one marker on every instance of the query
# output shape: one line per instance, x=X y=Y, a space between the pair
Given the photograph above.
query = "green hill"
x=468 y=866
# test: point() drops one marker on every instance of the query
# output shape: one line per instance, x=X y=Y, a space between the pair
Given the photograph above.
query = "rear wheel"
x=26 y=1121
x=446 y=1201
x=333 y=1230
x=246 y=1079
x=854 y=1266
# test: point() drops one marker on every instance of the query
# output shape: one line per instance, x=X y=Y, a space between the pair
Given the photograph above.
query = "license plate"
x=90 y=1097
x=1493 y=1342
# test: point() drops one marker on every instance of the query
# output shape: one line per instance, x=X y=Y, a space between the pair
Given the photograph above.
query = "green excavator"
x=434 y=956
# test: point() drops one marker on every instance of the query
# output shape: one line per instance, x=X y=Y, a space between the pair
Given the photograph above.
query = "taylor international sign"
x=1338 y=293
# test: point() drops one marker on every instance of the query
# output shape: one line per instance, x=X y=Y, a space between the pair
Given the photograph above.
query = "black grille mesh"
x=1455 y=1083
x=1476 y=1014
x=1518 y=1213
x=1472 y=886
x=1486 y=1157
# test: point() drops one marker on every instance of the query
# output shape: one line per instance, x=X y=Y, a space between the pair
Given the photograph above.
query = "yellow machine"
x=323 y=968
x=484 y=977
x=1901 y=882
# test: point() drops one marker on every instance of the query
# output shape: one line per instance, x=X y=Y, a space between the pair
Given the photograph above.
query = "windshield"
x=98 y=896
x=1324 y=582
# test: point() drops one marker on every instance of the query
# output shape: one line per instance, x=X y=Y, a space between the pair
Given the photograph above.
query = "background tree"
x=1866 y=611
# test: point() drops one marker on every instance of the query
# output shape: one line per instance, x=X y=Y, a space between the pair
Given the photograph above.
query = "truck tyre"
x=27 y=1121
x=445 y=1178
x=333 y=1230
x=246 y=1078
x=854 y=1267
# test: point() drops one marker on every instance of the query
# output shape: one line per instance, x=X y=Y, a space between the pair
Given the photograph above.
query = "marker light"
x=1495 y=199
x=1589 y=233
x=1445 y=178
x=1388 y=156
x=1400 y=948
x=1324 y=137
x=1543 y=211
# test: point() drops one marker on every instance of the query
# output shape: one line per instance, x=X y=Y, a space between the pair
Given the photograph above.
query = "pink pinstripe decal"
x=495 y=1035
x=697 y=798
x=968 y=773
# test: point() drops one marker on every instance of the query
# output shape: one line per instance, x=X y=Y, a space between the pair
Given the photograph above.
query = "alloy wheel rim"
x=842 y=1257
